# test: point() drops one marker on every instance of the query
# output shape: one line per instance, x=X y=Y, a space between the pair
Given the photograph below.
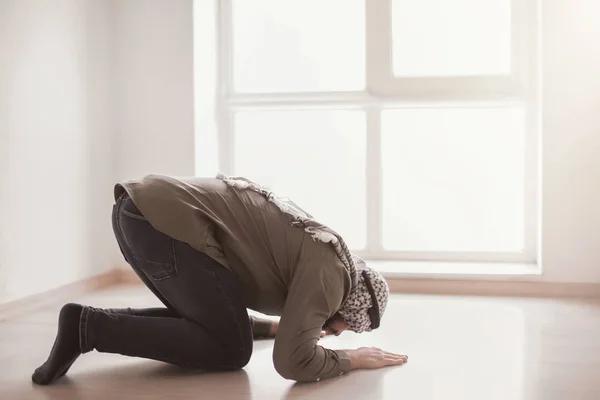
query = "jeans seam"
x=173 y=255
x=83 y=319
x=230 y=306
x=120 y=225
x=160 y=264
x=132 y=215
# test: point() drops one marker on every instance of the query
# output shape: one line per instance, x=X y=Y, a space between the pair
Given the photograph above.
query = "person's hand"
x=373 y=358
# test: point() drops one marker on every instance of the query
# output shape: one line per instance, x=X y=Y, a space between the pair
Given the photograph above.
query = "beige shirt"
x=283 y=271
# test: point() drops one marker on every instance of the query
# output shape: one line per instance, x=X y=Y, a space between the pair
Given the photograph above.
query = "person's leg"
x=261 y=328
x=144 y=312
x=212 y=333
x=190 y=283
x=206 y=325
x=123 y=246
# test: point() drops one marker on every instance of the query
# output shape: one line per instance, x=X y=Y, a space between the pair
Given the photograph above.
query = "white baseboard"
x=127 y=276
x=493 y=288
x=64 y=293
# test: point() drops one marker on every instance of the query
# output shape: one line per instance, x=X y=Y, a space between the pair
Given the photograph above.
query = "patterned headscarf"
x=355 y=308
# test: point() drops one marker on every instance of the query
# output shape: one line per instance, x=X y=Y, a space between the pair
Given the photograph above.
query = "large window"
x=409 y=126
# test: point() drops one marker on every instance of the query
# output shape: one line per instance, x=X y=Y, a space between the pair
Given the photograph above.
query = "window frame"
x=384 y=91
x=381 y=80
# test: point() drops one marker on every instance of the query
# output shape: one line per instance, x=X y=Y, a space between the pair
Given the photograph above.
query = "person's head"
x=364 y=307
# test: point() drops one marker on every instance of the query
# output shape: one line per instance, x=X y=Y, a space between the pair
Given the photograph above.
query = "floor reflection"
x=459 y=348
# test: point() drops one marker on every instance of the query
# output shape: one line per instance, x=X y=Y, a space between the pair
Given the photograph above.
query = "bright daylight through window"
x=409 y=126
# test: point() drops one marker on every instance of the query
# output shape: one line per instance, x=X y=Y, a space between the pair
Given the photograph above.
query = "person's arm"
x=272 y=328
x=315 y=294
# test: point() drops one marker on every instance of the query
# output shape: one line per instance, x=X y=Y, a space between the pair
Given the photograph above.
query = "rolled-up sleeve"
x=315 y=294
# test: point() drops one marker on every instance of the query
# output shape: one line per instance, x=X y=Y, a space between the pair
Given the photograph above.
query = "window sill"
x=457 y=270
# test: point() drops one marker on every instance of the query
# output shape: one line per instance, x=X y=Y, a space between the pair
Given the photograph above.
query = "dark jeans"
x=205 y=323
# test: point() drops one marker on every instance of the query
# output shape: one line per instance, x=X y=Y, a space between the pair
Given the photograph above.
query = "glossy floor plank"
x=459 y=347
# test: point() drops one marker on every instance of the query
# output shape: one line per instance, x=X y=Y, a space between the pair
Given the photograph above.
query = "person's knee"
x=239 y=348
x=239 y=358
x=228 y=358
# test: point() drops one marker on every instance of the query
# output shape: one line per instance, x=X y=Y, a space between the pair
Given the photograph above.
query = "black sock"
x=66 y=346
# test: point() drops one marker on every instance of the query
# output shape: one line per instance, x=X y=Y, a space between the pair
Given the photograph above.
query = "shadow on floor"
x=146 y=379
x=371 y=384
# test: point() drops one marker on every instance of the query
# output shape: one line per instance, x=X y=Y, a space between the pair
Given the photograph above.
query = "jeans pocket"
x=152 y=250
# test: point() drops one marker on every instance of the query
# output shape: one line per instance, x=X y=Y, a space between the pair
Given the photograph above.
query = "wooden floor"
x=467 y=348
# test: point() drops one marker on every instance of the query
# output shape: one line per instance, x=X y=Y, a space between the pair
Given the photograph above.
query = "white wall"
x=56 y=164
x=154 y=88
x=3 y=146
x=91 y=92
x=571 y=140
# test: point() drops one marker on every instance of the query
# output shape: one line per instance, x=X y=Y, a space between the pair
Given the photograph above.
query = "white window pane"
x=451 y=38
x=316 y=158
x=453 y=180
x=298 y=46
